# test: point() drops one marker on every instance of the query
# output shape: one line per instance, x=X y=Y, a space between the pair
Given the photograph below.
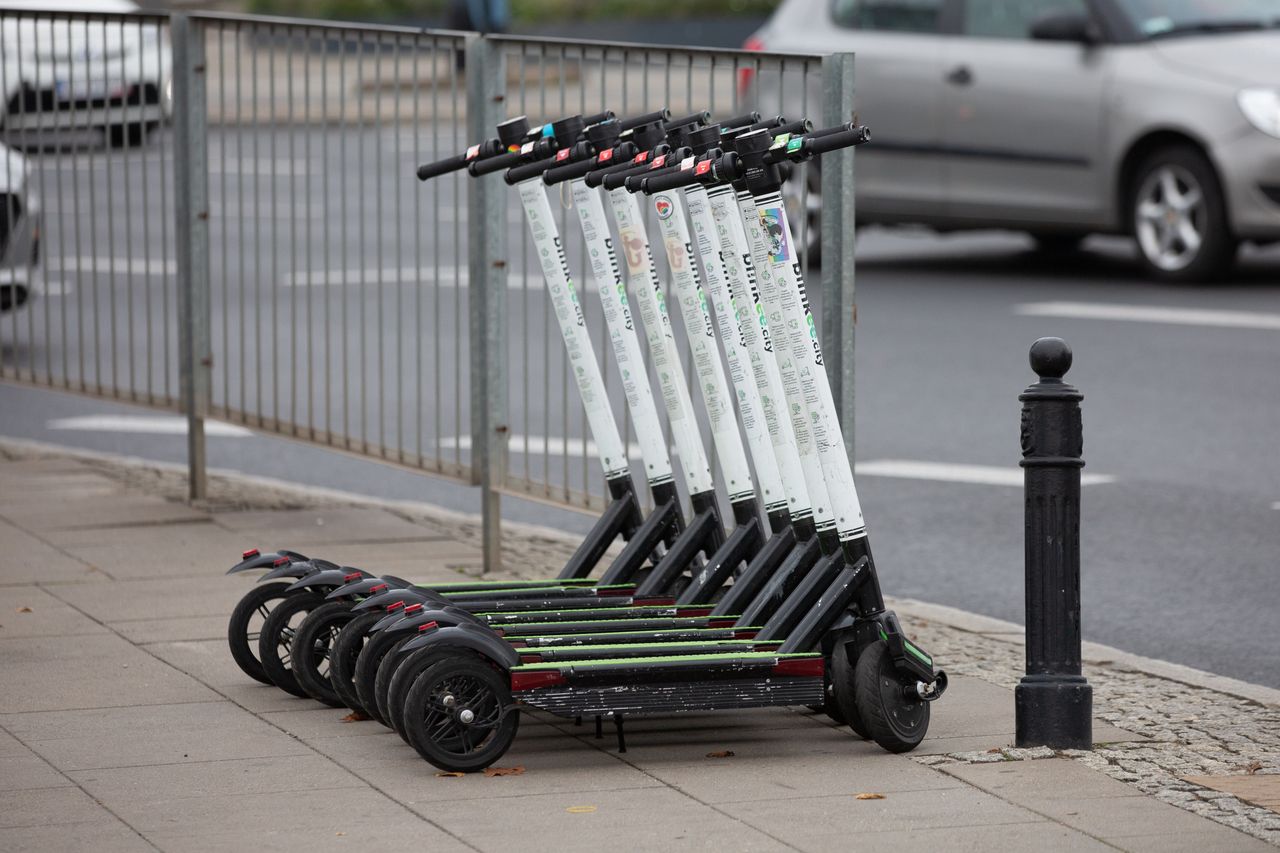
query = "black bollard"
x=1053 y=702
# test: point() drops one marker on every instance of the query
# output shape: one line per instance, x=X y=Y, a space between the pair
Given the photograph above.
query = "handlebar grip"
x=672 y=180
x=741 y=121
x=525 y=171
x=620 y=153
x=802 y=127
x=607 y=115
x=494 y=164
x=427 y=171
x=855 y=135
x=663 y=114
x=699 y=119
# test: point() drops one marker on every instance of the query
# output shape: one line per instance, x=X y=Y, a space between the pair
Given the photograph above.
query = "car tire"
x=1057 y=243
x=1178 y=216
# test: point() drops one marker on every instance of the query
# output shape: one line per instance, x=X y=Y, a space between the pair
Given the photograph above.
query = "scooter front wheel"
x=318 y=632
x=245 y=626
x=276 y=648
x=896 y=721
x=459 y=714
x=344 y=654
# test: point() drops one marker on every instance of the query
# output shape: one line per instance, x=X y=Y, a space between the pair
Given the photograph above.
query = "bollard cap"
x=1050 y=358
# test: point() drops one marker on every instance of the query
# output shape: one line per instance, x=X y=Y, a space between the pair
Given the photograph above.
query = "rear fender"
x=363 y=587
x=290 y=570
x=382 y=599
x=326 y=579
x=255 y=559
x=467 y=635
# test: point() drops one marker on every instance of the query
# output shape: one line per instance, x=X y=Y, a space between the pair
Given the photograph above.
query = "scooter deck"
x=636 y=650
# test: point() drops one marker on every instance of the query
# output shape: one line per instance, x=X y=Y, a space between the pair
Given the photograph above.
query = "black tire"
x=1218 y=244
x=1057 y=243
x=440 y=733
x=410 y=667
x=382 y=678
x=318 y=632
x=245 y=626
x=366 y=671
x=275 y=645
x=344 y=654
x=843 y=692
x=896 y=723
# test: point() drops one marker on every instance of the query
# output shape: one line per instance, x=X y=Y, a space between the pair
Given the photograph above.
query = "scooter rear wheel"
x=459 y=714
x=894 y=721
x=319 y=631
x=366 y=671
x=344 y=654
x=843 y=690
x=275 y=645
x=406 y=673
x=245 y=626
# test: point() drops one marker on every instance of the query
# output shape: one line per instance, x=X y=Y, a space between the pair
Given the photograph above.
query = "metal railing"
x=260 y=253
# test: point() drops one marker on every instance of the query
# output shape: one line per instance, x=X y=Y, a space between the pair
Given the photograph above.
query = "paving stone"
x=49 y=807
x=209 y=662
x=1213 y=838
x=341 y=819
x=827 y=823
x=61 y=673
x=120 y=510
x=22 y=769
x=138 y=787
x=210 y=595
x=1040 y=835
x=144 y=631
x=48 y=617
x=330 y=524
x=1262 y=789
x=161 y=734
x=643 y=819
x=107 y=835
x=28 y=560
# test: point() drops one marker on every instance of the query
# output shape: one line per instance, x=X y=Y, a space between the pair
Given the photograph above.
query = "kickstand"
x=599 y=727
x=622 y=740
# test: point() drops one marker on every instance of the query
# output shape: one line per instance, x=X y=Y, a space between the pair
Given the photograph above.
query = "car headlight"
x=1262 y=108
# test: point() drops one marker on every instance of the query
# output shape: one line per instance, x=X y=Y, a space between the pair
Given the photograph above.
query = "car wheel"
x=806 y=206
x=1179 y=217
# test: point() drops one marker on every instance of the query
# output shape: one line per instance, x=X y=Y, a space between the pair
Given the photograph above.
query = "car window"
x=1011 y=19
x=907 y=16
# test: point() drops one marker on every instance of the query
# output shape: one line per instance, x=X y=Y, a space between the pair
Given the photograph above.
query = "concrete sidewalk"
x=124 y=723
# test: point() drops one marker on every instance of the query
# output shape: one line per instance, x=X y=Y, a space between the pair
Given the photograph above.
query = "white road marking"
x=1151 y=314
x=155 y=424
x=556 y=445
x=120 y=266
x=947 y=472
x=450 y=276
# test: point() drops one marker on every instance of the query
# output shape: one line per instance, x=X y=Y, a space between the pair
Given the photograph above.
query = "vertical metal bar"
x=117 y=142
x=191 y=227
x=361 y=278
x=326 y=238
x=168 y=360
x=44 y=309
x=380 y=365
x=436 y=192
x=127 y=223
x=146 y=238
x=309 y=272
x=293 y=236
x=345 y=240
x=63 y=227
x=257 y=231
x=417 y=243
x=400 y=280
x=839 y=310
x=223 y=138
x=242 y=349
x=273 y=191
x=487 y=273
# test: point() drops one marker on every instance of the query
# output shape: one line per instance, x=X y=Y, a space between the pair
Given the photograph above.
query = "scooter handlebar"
x=485 y=150
x=663 y=114
x=854 y=135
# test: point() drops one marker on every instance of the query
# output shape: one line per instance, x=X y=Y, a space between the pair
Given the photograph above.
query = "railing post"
x=1053 y=702
x=487 y=271
x=839 y=310
x=191 y=230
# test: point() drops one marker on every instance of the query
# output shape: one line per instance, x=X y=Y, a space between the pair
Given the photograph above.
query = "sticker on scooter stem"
x=663 y=205
x=771 y=220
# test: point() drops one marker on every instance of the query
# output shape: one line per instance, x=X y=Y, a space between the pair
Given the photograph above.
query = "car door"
x=899 y=52
x=1022 y=119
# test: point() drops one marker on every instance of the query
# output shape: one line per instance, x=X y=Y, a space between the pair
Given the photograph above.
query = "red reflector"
x=799 y=667
x=250 y=554
x=702 y=168
x=281 y=561
x=378 y=588
x=353 y=576
x=534 y=680
x=562 y=154
x=412 y=608
x=641 y=157
x=658 y=161
x=531 y=658
x=395 y=605
x=430 y=626
x=605 y=156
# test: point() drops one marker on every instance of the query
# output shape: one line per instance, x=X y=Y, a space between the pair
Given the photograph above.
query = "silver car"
x=19 y=231
x=1158 y=119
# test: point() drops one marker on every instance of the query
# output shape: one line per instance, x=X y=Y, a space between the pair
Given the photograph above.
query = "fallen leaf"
x=518 y=770
x=354 y=717
x=724 y=753
x=868 y=796
x=993 y=749
x=449 y=774
x=339 y=833
x=1252 y=767
x=580 y=809
x=24 y=609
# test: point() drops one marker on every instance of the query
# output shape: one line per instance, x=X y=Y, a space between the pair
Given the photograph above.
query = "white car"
x=19 y=231
x=66 y=72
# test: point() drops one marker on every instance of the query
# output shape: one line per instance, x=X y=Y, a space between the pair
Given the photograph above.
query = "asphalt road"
x=1181 y=406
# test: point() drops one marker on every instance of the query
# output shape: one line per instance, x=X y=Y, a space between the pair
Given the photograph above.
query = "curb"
x=961 y=620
